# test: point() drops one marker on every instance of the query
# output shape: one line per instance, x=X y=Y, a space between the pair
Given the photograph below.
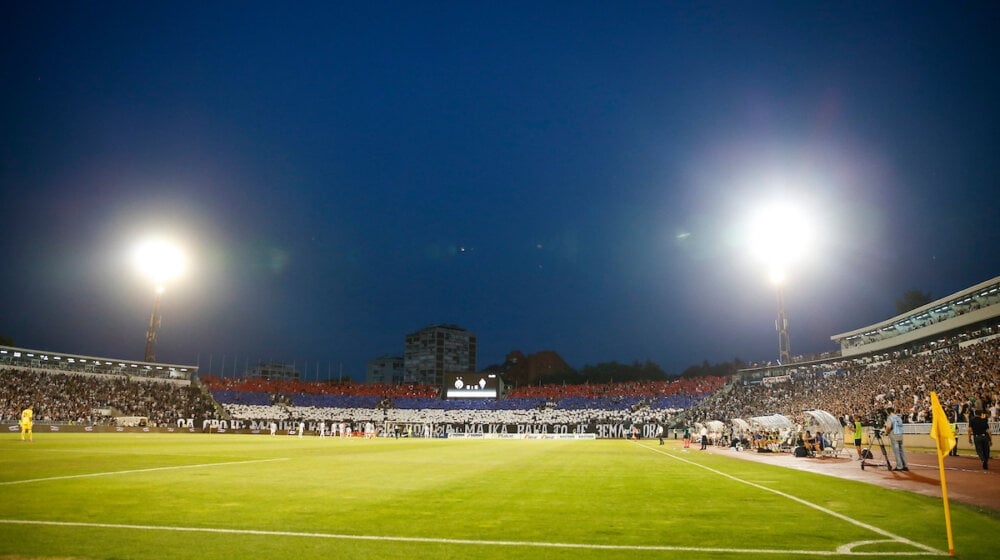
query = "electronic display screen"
x=471 y=386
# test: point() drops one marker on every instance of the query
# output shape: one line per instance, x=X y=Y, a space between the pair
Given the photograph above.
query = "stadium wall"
x=190 y=425
x=917 y=435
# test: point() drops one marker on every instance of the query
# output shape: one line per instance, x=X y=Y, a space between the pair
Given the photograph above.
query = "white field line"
x=132 y=471
x=428 y=540
x=842 y=517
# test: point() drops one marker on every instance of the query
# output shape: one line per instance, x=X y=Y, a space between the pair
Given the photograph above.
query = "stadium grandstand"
x=417 y=408
x=951 y=346
x=958 y=316
x=74 y=390
x=59 y=361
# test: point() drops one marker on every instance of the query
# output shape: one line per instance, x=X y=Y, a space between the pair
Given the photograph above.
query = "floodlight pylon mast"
x=154 y=325
x=781 y=325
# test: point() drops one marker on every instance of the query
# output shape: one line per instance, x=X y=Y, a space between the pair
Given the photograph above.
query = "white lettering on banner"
x=214 y=424
x=526 y=436
x=603 y=431
x=522 y=431
x=611 y=431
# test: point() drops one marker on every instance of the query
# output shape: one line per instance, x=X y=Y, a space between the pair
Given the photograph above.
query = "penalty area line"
x=431 y=540
x=133 y=471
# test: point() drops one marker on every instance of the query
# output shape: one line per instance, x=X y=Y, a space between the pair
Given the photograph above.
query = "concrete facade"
x=432 y=351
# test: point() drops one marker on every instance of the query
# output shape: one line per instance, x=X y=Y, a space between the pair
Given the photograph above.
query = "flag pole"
x=945 y=441
x=947 y=511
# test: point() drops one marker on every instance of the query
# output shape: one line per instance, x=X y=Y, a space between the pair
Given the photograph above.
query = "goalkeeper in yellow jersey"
x=27 y=423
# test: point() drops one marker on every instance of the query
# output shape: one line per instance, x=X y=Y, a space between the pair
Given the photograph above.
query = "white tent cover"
x=771 y=423
x=715 y=427
x=823 y=421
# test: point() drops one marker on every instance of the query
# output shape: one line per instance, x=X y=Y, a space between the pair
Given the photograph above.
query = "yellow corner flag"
x=942 y=434
x=940 y=428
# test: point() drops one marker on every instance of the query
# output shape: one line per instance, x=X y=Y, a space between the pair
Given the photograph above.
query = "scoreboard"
x=471 y=386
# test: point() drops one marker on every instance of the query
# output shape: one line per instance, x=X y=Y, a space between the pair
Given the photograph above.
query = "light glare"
x=780 y=236
x=159 y=260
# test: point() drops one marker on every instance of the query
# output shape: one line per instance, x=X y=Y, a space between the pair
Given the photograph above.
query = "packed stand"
x=633 y=402
x=965 y=379
x=80 y=398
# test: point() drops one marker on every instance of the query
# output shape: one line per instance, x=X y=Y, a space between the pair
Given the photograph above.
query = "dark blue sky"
x=568 y=176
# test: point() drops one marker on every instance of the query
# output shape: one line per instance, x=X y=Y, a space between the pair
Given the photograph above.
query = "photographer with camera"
x=894 y=429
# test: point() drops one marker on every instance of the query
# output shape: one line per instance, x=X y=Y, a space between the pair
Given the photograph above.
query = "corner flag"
x=941 y=433
x=940 y=428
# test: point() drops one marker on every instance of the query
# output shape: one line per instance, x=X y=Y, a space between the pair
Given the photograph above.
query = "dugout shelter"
x=833 y=430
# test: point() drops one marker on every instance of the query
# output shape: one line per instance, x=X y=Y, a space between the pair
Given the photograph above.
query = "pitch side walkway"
x=967 y=481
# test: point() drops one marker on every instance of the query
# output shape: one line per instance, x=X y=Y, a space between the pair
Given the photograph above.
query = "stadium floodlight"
x=780 y=236
x=161 y=261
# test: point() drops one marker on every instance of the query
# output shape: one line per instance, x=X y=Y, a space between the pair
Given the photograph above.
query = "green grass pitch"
x=197 y=496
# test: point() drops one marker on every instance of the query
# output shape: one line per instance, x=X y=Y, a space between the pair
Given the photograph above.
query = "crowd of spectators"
x=964 y=378
x=638 y=402
x=654 y=394
x=94 y=399
x=442 y=416
x=683 y=386
x=292 y=387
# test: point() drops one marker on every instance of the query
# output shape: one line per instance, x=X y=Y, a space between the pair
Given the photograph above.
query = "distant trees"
x=547 y=368
x=912 y=300
x=519 y=370
x=608 y=372
x=6 y=340
x=720 y=370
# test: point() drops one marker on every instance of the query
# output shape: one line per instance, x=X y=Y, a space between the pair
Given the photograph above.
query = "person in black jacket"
x=979 y=435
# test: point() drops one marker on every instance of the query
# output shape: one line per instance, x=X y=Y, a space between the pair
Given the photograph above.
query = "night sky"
x=568 y=176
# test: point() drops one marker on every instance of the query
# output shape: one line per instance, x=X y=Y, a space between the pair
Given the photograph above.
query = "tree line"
x=616 y=372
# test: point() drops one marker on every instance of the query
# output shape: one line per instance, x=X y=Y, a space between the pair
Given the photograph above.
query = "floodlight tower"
x=780 y=236
x=781 y=325
x=159 y=261
x=154 y=325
